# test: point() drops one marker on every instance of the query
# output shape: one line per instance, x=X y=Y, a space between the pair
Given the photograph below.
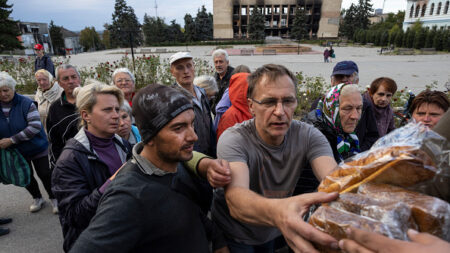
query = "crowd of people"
x=210 y=163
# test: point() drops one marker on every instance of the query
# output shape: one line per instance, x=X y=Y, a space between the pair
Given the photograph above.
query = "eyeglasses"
x=272 y=102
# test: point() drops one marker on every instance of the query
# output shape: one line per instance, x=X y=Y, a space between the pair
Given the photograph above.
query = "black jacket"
x=78 y=175
x=367 y=130
x=222 y=85
x=62 y=124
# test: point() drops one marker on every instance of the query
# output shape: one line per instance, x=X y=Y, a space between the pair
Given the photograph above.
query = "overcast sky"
x=75 y=15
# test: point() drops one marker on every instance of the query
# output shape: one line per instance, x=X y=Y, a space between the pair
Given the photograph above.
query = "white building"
x=429 y=12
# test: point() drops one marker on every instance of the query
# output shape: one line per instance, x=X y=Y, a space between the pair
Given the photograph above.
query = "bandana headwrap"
x=328 y=108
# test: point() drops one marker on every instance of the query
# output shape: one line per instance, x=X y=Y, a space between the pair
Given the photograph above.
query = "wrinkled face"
x=43 y=82
x=350 y=109
x=382 y=97
x=220 y=63
x=68 y=80
x=124 y=82
x=124 y=125
x=273 y=105
x=338 y=79
x=428 y=114
x=175 y=142
x=6 y=94
x=103 y=121
x=183 y=71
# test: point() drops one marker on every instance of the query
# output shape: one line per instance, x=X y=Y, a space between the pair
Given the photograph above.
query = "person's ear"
x=250 y=106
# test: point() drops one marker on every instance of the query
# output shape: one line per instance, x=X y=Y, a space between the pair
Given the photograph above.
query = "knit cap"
x=156 y=105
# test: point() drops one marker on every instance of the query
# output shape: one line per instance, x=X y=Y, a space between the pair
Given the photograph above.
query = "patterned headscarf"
x=328 y=108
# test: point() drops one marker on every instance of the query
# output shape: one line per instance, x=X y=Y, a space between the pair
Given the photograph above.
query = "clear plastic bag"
x=410 y=157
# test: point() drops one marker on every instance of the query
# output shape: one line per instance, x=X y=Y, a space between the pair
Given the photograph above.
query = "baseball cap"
x=38 y=47
x=178 y=56
x=345 y=68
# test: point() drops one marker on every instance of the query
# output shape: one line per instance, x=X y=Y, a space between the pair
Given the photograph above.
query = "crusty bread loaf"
x=394 y=214
x=432 y=215
x=397 y=165
x=334 y=222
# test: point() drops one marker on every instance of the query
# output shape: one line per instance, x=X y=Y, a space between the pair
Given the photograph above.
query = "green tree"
x=438 y=41
x=57 y=38
x=155 y=30
x=174 y=32
x=399 y=38
x=89 y=39
x=203 y=25
x=9 y=30
x=189 y=28
x=363 y=12
x=124 y=25
x=349 y=23
x=419 y=38
x=393 y=33
x=300 y=27
x=430 y=37
x=106 y=37
x=256 y=24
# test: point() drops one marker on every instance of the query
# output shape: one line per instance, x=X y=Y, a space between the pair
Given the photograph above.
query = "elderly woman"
x=380 y=94
x=47 y=92
x=125 y=81
x=89 y=159
x=21 y=128
x=429 y=106
x=209 y=84
x=127 y=130
x=336 y=116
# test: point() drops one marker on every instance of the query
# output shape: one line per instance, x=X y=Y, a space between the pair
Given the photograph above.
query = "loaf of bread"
x=398 y=165
x=432 y=215
x=334 y=222
x=394 y=214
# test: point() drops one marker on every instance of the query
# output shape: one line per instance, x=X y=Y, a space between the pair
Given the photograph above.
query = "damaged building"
x=231 y=17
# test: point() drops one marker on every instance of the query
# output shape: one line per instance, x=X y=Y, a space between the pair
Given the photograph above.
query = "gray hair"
x=350 y=89
x=7 y=80
x=220 y=52
x=86 y=96
x=126 y=108
x=206 y=82
x=122 y=70
x=65 y=66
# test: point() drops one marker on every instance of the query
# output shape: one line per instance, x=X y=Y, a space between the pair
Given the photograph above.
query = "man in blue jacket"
x=43 y=61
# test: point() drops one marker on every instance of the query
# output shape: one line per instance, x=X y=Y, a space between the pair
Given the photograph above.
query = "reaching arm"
x=286 y=214
x=323 y=166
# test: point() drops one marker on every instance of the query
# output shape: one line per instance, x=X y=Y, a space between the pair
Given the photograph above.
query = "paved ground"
x=412 y=71
x=41 y=232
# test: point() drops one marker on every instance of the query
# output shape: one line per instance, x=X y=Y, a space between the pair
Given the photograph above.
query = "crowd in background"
x=76 y=137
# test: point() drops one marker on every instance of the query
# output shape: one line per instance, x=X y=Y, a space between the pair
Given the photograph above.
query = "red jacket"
x=238 y=112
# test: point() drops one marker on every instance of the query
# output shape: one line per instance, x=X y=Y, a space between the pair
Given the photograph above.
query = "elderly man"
x=267 y=155
x=151 y=203
x=366 y=130
x=43 y=61
x=183 y=69
x=223 y=73
x=62 y=119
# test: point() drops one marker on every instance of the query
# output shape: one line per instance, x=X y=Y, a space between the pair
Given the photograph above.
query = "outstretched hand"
x=299 y=234
x=218 y=171
x=360 y=241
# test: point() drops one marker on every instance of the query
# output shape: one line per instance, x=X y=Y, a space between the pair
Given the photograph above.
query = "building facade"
x=231 y=17
x=33 y=33
x=429 y=12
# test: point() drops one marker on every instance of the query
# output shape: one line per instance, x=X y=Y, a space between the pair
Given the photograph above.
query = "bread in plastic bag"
x=406 y=157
